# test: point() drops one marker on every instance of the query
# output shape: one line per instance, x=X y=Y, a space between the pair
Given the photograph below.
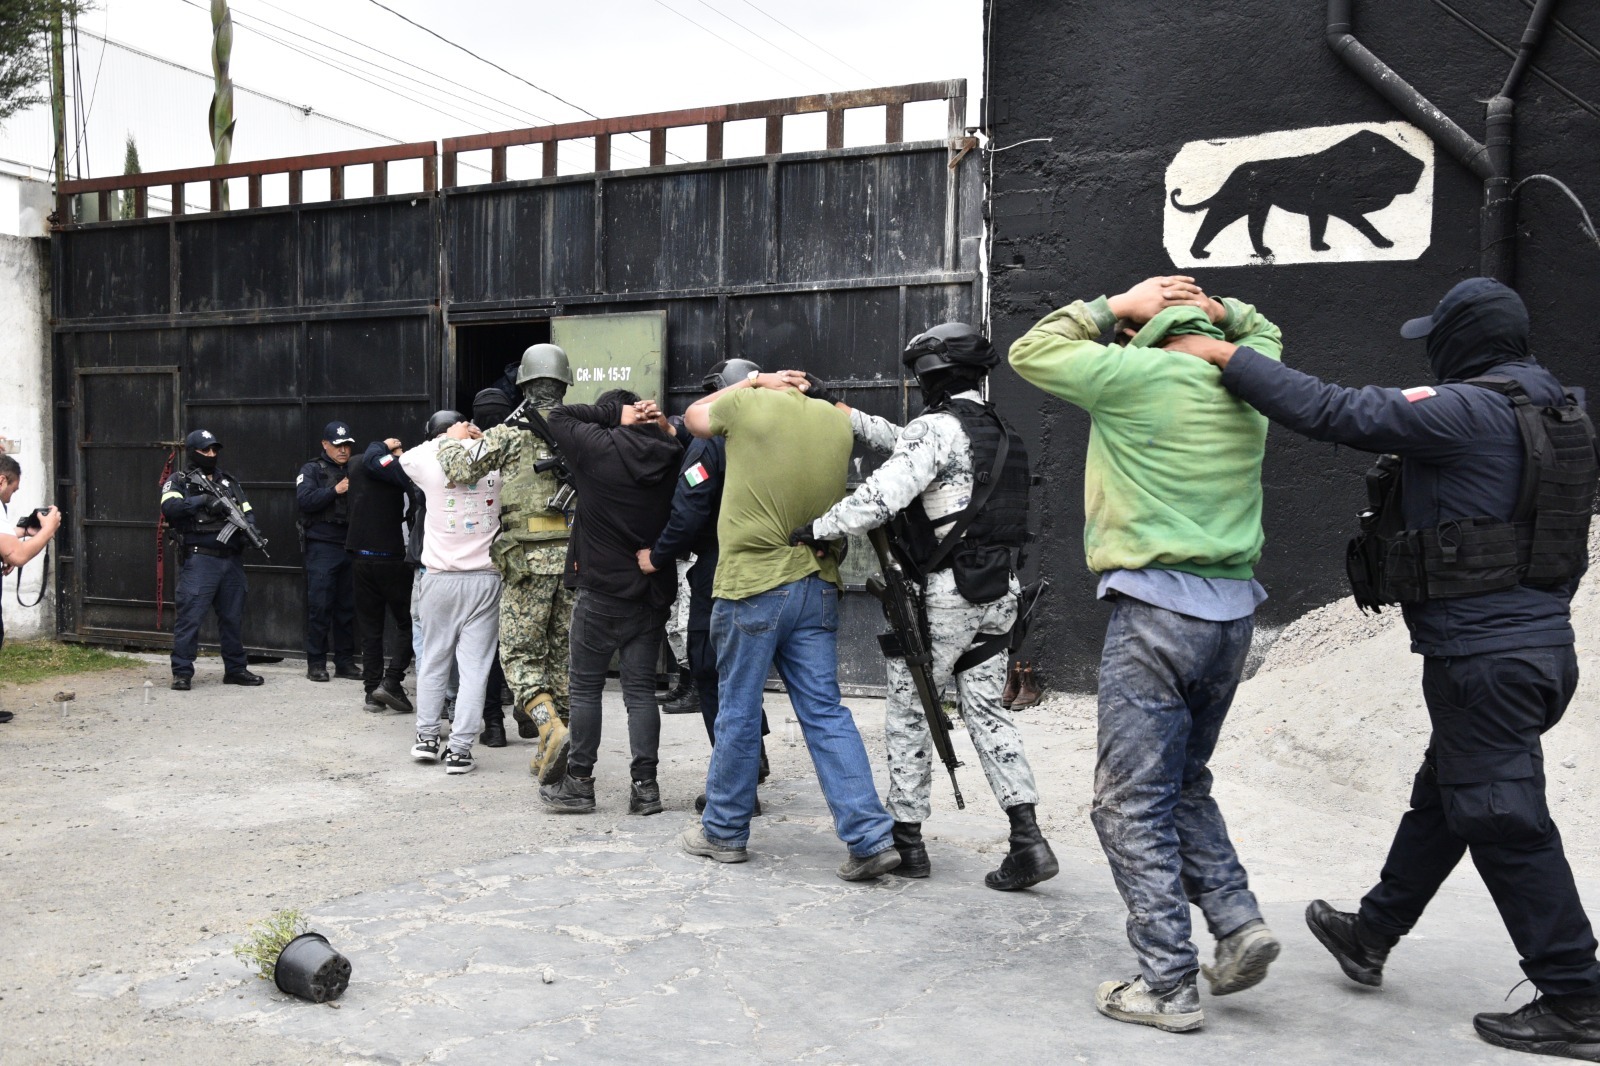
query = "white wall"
x=25 y=423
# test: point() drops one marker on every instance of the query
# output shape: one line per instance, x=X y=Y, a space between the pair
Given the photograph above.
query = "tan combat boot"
x=549 y=763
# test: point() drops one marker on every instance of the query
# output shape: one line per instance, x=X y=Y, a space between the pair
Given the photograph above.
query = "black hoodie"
x=1461 y=452
x=625 y=478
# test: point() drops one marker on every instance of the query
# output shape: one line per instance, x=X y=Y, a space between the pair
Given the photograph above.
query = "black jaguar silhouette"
x=1361 y=174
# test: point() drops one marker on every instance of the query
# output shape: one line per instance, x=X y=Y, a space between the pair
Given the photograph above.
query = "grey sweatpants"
x=460 y=621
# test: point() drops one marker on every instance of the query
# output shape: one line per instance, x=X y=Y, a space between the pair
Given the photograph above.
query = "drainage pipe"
x=1490 y=161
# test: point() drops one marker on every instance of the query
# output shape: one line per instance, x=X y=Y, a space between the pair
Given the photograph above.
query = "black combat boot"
x=1030 y=859
x=494 y=732
x=1360 y=951
x=913 y=855
x=1564 y=1026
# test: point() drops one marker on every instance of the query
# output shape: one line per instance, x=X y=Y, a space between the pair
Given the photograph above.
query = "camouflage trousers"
x=535 y=614
x=954 y=625
x=678 y=620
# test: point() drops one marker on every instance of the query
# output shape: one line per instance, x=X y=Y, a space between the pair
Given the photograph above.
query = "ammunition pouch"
x=982 y=571
x=510 y=557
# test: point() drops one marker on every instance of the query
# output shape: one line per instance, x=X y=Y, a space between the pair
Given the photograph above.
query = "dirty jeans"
x=1166 y=681
x=794 y=626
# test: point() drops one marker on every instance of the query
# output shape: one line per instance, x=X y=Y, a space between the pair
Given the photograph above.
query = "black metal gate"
x=268 y=322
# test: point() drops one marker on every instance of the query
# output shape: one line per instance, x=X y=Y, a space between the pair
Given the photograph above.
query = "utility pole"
x=58 y=94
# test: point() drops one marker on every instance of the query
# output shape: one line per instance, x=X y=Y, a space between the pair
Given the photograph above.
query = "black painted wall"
x=1121 y=87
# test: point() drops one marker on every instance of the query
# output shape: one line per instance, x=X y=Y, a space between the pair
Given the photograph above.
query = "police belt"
x=543 y=522
x=206 y=549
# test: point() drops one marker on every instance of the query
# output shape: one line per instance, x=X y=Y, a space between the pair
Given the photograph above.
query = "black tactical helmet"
x=947 y=345
x=440 y=421
x=727 y=373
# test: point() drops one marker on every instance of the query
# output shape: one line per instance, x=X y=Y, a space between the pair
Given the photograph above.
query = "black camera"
x=30 y=523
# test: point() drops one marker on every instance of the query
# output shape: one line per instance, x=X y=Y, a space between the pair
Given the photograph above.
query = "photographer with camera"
x=200 y=504
x=34 y=532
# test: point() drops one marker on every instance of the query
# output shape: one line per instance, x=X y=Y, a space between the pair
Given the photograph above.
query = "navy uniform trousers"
x=207 y=582
x=1481 y=790
x=330 y=605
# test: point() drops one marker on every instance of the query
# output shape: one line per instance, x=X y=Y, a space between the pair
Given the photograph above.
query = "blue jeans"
x=1166 y=681
x=794 y=627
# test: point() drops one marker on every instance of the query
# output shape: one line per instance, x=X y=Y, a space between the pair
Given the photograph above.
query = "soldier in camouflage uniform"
x=531 y=555
x=929 y=477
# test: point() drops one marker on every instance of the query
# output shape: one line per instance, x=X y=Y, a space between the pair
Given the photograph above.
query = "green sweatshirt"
x=1173 y=475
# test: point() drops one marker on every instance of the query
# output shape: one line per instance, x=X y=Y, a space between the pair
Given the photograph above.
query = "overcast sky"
x=609 y=57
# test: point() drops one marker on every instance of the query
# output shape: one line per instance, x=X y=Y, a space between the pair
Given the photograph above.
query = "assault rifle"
x=526 y=416
x=901 y=597
x=236 y=522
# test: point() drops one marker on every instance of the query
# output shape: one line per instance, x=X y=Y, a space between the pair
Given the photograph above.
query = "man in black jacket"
x=320 y=492
x=382 y=577
x=624 y=456
x=1495 y=634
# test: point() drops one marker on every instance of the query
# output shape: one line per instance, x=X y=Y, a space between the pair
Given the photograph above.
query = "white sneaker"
x=458 y=762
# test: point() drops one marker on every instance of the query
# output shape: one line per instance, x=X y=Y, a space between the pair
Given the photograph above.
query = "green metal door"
x=614 y=352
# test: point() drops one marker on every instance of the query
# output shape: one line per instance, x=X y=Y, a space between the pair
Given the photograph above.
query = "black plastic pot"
x=308 y=967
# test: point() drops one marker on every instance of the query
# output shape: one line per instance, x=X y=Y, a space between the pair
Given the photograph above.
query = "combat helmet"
x=544 y=361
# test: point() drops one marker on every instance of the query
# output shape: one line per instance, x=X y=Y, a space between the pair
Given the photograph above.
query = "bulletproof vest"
x=1003 y=519
x=1545 y=544
x=339 y=510
x=525 y=494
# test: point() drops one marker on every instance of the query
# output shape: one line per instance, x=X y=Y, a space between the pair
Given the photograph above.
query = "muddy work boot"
x=1030 y=859
x=1242 y=958
x=571 y=795
x=913 y=854
x=1029 y=689
x=865 y=869
x=1175 y=1009
x=1360 y=951
x=1564 y=1026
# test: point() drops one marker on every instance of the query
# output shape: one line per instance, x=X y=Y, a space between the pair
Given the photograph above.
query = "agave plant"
x=221 y=117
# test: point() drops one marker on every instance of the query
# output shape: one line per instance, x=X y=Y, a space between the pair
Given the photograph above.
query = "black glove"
x=216 y=505
x=818 y=390
x=807 y=535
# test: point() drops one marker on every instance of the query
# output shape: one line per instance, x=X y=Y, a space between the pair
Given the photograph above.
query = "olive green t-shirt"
x=787 y=461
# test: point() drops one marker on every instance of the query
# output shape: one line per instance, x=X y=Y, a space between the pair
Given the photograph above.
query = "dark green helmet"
x=544 y=361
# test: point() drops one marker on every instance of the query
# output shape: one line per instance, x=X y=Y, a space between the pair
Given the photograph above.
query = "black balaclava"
x=1478 y=325
x=489 y=409
x=939 y=385
x=202 y=439
x=544 y=392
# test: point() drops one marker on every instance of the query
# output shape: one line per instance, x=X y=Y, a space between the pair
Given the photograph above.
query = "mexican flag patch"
x=696 y=475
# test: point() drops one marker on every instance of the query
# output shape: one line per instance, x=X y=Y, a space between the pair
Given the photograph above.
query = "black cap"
x=201 y=438
x=337 y=433
x=1473 y=291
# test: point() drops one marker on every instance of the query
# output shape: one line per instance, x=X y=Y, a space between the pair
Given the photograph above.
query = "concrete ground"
x=140 y=839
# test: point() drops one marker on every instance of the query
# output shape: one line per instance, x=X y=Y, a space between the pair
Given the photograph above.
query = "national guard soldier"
x=320 y=491
x=530 y=553
x=211 y=573
x=970 y=588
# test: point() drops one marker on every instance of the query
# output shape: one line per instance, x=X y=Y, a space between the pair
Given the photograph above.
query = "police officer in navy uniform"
x=320 y=491
x=1482 y=541
x=211 y=570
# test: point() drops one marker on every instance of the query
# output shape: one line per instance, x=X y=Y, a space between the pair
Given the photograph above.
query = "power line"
x=426 y=88
x=814 y=44
x=304 y=109
x=386 y=86
x=707 y=29
x=497 y=66
x=766 y=40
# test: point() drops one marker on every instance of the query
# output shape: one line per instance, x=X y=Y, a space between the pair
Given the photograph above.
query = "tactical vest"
x=1545 y=544
x=525 y=494
x=1003 y=519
